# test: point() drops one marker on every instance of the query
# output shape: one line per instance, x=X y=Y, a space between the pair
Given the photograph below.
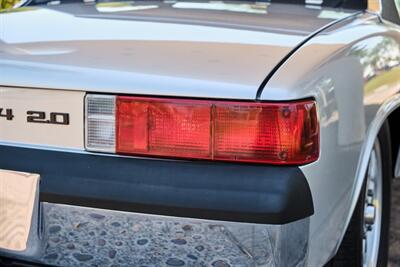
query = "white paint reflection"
x=257 y=8
x=331 y=14
x=111 y=7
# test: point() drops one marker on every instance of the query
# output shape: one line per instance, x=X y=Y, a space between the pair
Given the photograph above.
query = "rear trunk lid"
x=191 y=49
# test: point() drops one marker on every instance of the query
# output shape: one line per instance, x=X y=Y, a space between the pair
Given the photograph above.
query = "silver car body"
x=290 y=53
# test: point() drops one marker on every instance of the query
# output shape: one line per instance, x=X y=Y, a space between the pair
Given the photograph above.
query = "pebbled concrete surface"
x=79 y=238
x=394 y=238
x=90 y=237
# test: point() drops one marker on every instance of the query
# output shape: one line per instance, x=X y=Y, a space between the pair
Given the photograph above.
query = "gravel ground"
x=394 y=250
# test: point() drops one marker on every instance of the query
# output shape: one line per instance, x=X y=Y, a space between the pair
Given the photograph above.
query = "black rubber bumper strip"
x=8 y=262
x=192 y=189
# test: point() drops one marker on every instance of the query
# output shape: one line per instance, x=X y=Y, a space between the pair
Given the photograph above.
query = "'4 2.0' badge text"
x=38 y=116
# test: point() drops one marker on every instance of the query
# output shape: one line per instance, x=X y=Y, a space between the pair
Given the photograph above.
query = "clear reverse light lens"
x=100 y=123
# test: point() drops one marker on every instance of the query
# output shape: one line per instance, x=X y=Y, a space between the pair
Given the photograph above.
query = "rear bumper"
x=104 y=210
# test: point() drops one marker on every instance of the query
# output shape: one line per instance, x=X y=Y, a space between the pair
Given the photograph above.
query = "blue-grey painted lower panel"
x=78 y=236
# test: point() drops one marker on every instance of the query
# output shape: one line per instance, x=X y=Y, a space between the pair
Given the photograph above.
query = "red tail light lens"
x=276 y=133
x=163 y=127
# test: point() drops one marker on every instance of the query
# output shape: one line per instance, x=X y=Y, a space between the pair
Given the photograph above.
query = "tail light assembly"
x=284 y=133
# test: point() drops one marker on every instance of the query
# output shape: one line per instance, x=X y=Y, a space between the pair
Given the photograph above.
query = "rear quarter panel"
x=352 y=69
